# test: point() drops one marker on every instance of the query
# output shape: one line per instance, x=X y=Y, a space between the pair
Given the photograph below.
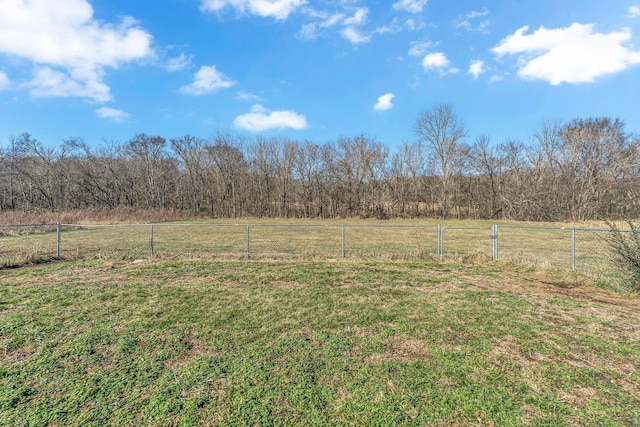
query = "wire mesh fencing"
x=465 y=243
x=28 y=243
x=248 y=241
x=583 y=250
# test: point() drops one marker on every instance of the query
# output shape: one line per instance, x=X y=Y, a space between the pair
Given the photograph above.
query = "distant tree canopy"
x=581 y=170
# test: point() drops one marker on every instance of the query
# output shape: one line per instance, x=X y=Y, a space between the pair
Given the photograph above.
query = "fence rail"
x=581 y=250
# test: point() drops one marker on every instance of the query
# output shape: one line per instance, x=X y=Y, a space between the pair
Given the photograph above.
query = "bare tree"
x=487 y=162
x=38 y=166
x=359 y=167
x=594 y=152
x=443 y=132
x=148 y=156
x=194 y=160
x=230 y=166
x=307 y=171
x=405 y=177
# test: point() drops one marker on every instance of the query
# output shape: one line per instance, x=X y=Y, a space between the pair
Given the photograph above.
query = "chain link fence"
x=28 y=244
x=582 y=250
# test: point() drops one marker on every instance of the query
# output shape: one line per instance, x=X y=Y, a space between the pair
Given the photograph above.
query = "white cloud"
x=412 y=6
x=112 y=114
x=466 y=21
x=350 y=32
x=354 y=36
x=178 y=63
x=50 y=83
x=313 y=30
x=476 y=68
x=633 y=12
x=436 y=60
x=261 y=119
x=207 y=80
x=278 y=9
x=332 y=20
x=247 y=96
x=358 y=18
x=308 y=31
x=4 y=81
x=420 y=48
x=384 y=102
x=392 y=28
x=68 y=45
x=412 y=25
x=574 y=54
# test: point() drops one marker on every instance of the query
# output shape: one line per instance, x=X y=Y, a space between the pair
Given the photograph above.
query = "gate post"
x=58 y=240
x=493 y=242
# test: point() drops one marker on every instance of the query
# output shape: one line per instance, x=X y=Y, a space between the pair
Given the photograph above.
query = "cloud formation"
x=411 y=6
x=354 y=36
x=469 y=21
x=112 y=114
x=313 y=30
x=384 y=102
x=207 y=80
x=69 y=48
x=421 y=48
x=633 y=12
x=349 y=23
x=247 y=96
x=4 y=81
x=476 y=68
x=278 y=9
x=438 y=61
x=574 y=54
x=351 y=31
x=178 y=63
x=261 y=119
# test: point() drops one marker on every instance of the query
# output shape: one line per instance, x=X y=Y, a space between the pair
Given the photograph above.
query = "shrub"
x=625 y=246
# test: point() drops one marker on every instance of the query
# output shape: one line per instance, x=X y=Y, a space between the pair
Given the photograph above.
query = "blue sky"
x=312 y=69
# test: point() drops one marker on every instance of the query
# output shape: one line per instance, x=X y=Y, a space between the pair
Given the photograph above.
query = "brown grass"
x=196 y=348
x=95 y=216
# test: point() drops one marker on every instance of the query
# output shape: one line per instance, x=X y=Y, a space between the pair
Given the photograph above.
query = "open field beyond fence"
x=312 y=343
x=578 y=249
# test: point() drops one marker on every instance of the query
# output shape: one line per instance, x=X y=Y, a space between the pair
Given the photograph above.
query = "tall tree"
x=443 y=132
x=594 y=150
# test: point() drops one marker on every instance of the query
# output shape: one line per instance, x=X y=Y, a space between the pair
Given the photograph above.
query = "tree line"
x=579 y=170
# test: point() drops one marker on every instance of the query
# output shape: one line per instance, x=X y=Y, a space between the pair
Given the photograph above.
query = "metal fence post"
x=248 y=247
x=439 y=249
x=573 y=249
x=58 y=240
x=493 y=242
x=497 y=246
x=151 y=240
x=343 y=241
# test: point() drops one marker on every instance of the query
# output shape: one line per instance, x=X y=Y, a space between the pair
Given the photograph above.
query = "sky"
x=106 y=70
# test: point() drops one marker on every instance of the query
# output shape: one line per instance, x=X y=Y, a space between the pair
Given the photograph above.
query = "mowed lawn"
x=313 y=343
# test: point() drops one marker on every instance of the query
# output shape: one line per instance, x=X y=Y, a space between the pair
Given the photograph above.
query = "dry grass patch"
x=401 y=349
x=195 y=349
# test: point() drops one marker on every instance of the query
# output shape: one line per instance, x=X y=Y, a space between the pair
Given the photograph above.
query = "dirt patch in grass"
x=508 y=349
x=195 y=348
x=401 y=349
x=17 y=356
x=405 y=349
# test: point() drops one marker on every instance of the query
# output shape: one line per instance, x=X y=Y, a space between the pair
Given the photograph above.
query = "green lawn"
x=313 y=343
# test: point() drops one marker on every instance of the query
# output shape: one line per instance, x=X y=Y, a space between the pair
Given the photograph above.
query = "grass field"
x=535 y=245
x=304 y=342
